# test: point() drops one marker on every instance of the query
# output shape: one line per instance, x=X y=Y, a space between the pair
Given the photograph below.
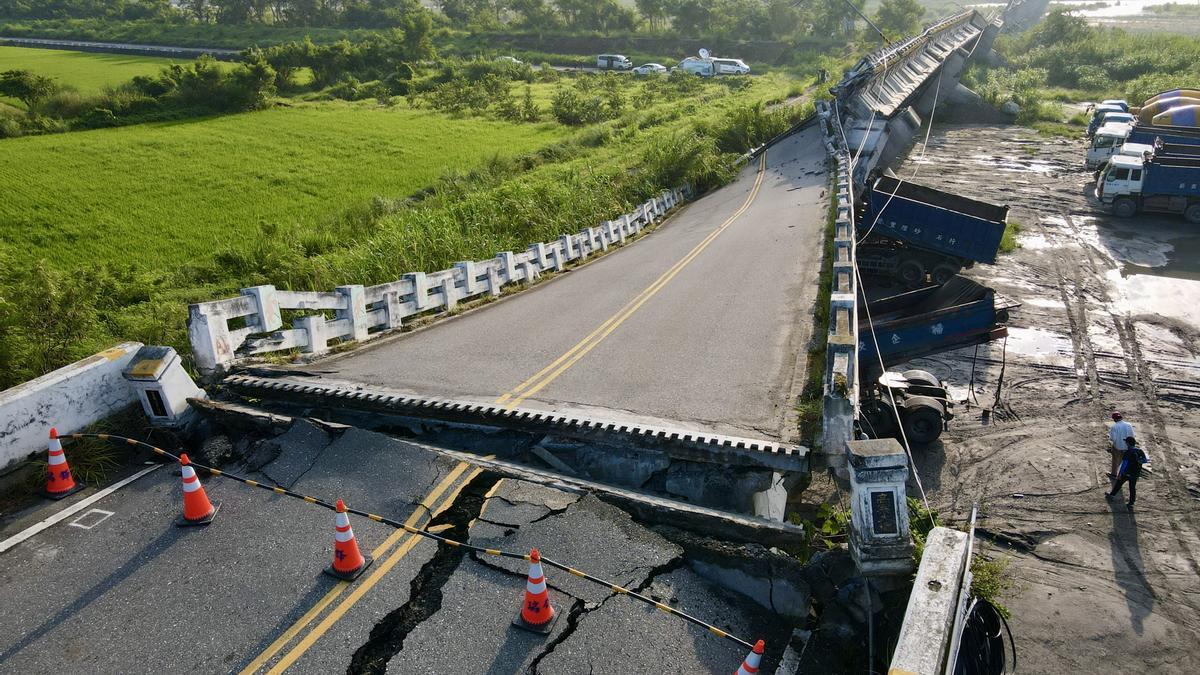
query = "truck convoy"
x=1158 y=183
x=914 y=234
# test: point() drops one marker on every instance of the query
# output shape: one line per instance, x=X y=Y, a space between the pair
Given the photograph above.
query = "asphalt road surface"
x=704 y=322
x=123 y=590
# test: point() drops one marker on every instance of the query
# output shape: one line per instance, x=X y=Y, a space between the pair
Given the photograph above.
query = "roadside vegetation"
x=1066 y=60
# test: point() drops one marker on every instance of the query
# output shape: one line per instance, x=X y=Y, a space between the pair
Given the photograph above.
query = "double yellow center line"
x=432 y=506
x=560 y=365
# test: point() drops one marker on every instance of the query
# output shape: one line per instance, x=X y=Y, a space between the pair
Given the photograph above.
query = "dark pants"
x=1132 y=478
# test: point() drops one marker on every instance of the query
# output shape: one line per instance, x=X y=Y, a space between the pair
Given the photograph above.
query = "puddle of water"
x=1039 y=344
x=1169 y=297
x=1047 y=303
x=1013 y=164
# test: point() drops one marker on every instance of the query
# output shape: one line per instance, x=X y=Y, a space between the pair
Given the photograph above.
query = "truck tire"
x=921 y=377
x=911 y=272
x=943 y=273
x=879 y=419
x=1192 y=214
x=924 y=383
x=923 y=418
x=1124 y=208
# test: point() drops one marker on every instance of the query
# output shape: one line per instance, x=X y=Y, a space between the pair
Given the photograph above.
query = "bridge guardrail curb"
x=676 y=442
x=362 y=313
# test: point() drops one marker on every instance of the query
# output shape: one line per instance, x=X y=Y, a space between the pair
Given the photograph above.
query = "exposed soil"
x=1110 y=320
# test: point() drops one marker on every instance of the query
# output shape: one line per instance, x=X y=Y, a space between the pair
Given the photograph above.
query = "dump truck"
x=911 y=325
x=1157 y=184
x=1109 y=139
x=915 y=234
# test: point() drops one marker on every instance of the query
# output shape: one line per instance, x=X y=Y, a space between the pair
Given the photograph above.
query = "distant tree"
x=26 y=87
x=690 y=17
x=899 y=18
x=535 y=14
x=653 y=11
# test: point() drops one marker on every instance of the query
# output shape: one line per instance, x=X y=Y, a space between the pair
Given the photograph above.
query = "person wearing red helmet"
x=1117 y=433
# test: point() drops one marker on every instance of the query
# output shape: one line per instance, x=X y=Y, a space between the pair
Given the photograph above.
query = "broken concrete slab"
x=589 y=535
x=624 y=635
x=294 y=451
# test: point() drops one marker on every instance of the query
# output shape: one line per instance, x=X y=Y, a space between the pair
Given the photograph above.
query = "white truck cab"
x=1120 y=178
x=1105 y=142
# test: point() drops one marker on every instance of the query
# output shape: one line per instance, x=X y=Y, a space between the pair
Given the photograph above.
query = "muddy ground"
x=1109 y=320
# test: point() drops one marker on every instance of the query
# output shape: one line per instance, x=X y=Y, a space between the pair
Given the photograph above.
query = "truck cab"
x=1118 y=102
x=1105 y=142
x=1098 y=116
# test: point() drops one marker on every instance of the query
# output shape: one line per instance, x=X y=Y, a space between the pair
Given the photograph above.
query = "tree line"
x=723 y=19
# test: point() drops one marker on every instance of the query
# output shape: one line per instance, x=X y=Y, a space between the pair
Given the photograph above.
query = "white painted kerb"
x=69 y=398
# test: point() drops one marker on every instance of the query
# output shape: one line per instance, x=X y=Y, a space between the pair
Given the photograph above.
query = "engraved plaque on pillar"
x=883 y=512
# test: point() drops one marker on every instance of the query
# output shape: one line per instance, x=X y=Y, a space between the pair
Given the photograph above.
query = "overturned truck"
x=910 y=325
x=916 y=234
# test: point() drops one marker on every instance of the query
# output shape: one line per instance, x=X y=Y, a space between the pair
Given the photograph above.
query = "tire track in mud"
x=1140 y=377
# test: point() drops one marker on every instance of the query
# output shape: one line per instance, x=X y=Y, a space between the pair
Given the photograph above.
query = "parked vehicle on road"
x=1158 y=184
x=697 y=66
x=649 y=69
x=509 y=59
x=613 y=62
x=729 y=67
x=1098 y=114
x=913 y=232
x=1109 y=117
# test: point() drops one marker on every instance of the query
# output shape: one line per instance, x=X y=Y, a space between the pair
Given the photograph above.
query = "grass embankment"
x=121 y=228
x=1065 y=60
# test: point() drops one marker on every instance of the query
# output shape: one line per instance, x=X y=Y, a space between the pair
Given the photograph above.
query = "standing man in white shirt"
x=1117 y=433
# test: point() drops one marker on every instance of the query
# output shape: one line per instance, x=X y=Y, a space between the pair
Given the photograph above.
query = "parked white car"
x=509 y=59
x=649 y=68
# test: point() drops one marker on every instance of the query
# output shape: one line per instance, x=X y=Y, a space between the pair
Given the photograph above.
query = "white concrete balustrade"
x=224 y=331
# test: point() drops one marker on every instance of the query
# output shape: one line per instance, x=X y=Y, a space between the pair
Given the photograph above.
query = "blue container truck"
x=1158 y=184
x=1151 y=133
x=914 y=233
x=911 y=325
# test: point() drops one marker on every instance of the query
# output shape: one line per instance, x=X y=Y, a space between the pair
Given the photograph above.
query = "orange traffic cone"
x=197 y=510
x=348 y=562
x=59 y=482
x=536 y=613
x=753 y=659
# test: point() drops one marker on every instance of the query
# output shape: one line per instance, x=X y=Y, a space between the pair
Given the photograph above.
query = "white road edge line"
x=71 y=510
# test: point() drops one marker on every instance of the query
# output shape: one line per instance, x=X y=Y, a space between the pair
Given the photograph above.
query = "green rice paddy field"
x=87 y=72
x=163 y=194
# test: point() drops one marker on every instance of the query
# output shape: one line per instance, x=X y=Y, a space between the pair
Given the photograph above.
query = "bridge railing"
x=841 y=368
x=224 y=331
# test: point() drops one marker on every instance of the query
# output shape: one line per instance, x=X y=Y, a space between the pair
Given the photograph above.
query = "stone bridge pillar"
x=879 y=536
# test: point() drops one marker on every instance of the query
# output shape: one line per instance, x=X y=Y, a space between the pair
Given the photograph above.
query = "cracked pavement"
x=136 y=594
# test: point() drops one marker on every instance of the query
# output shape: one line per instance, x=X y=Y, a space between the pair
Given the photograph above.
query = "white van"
x=613 y=62
x=730 y=67
x=695 y=66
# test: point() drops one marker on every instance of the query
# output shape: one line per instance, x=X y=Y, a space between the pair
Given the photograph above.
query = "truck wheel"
x=922 y=419
x=1124 y=208
x=1192 y=214
x=911 y=272
x=880 y=419
x=943 y=273
x=921 y=377
x=922 y=383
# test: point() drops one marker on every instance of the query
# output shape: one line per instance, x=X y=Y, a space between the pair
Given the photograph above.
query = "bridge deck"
x=705 y=322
